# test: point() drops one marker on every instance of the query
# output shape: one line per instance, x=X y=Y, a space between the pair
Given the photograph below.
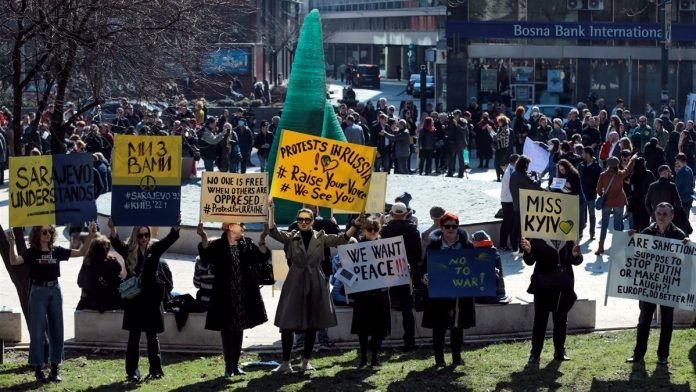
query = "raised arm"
x=14 y=258
x=85 y=246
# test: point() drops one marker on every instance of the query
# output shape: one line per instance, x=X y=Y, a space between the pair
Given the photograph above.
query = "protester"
x=262 y=143
x=235 y=300
x=501 y=141
x=662 y=227
x=589 y=171
x=685 y=183
x=442 y=314
x=426 y=145
x=304 y=304
x=100 y=277
x=481 y=239
x=144 y=312
x=552 y=285
x=400 y=139
x=209 y=144
x=507 y=207
x=436 y=213
x=43 y=259
x=610 y=189
x=519 y=179
x=399 y=225
x=371 y=311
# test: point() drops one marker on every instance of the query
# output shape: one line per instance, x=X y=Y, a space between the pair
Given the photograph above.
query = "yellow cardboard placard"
x=31 y=191
x=232 y=197
x=322 y=172
x=137 y=157
x=377 y=196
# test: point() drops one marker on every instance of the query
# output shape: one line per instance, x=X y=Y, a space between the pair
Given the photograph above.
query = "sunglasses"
x=371 y=229
x=47 y=231
x=450 y=227
x=143 y=235
x=304 y=220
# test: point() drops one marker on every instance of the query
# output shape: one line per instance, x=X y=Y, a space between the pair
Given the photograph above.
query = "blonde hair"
x=132 y=257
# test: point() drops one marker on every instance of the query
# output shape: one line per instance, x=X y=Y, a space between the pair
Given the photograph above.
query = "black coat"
x=145 y=312
x=589 y=176
x=545 y=260
x=520 y=180
x=99 y=282
x=371 y=313
x=440 y=312
x=224 y=310
x=412 y=239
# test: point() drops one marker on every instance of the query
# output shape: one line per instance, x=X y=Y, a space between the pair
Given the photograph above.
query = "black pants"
x=499 y=160
x=506 y=227
x=647 y=309
x=455 y=156
x=541 y=318
x=231 y=348
x=133 y=353
x=375 y=344
x=425 y=161
x=515 y=230
x=287 y=338
x=456 y=338
x=403 y=295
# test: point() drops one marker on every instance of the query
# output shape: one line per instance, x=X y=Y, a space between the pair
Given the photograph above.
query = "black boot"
x=54 y=375
x=39 y=374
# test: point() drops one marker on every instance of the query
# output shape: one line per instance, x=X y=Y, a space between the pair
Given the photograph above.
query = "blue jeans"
x=618 y=220
x=45 y=302
x=587 y=207
x=209 y=164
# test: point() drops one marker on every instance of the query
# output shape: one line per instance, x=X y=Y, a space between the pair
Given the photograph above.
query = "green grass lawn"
x=597 y=365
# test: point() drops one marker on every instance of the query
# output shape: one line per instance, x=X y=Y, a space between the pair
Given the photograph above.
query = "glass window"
x=493 y=10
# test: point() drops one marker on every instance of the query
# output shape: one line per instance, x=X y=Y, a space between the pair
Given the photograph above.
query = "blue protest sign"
x=461 y=273
x=133 y=206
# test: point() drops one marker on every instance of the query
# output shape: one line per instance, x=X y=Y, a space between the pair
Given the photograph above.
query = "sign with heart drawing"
x=549 y=215
x=322 y=172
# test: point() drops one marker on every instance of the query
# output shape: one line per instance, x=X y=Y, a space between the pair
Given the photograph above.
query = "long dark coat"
x=145 y=312
x=371 y=313
x=545 y=260
x=441 y=312
x=224 y=310
x=304 y=301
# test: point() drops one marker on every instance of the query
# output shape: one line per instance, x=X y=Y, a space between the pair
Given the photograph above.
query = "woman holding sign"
x=235 y=301
x=144 y=312
x=45 y=297
x=371 y=309
x=442 y=314
x=305 y=303
x=552 y=284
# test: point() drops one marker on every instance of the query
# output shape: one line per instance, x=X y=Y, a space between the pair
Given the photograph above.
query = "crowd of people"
x=624 y=163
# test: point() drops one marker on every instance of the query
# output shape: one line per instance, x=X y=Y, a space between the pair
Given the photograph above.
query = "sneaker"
x=306 y=367
x=634 y=359
x=283 y=369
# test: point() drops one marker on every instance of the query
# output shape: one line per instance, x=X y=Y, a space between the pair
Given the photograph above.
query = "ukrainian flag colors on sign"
x=146 y=187
x=322 y=172
x=52 y=189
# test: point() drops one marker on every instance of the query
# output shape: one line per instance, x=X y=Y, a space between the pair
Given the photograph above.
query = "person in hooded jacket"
x=442 y=314
x=553 y=287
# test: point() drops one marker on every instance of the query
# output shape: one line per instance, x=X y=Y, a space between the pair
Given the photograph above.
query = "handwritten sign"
x=52 y=189
x=653 y=269
x=280 y=267
x=230 y=197
x=377 y=195
x=461 y=273
x=377 y=264
x=322 y=172
x=549 y=215
x=146 y=187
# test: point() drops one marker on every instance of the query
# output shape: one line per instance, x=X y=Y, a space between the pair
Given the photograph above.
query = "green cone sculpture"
x=306 y=108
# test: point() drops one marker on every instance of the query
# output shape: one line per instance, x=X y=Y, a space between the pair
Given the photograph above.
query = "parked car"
x=549 y=111
x=366 y=75
x=411 y=82
x=429 y=86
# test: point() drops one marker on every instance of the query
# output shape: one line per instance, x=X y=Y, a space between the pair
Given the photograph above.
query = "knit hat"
x=481 y=239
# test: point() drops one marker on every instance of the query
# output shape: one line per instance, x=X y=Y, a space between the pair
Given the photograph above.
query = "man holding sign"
x=662 y=227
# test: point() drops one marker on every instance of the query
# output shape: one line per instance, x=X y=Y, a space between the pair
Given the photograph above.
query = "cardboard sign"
x=653 y=269
x=549 y=215
x=377 y=195
x=52 y=189
x=377 y=264
x=538 y=155
x=322 y=172
x=146 y=188
x=558 y=183
x=231 y=197
x=461 y=273
x=280 y=267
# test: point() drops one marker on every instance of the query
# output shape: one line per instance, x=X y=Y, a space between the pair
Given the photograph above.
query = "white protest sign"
x=231 y=197
x=558 y=183
x=377 y=264
x=538 y=155
x=652 y=269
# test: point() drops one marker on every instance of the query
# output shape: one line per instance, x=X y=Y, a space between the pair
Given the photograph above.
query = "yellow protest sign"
x=231 y=197
x=322 y=172
x=377 y=196
x=147 y=158
x=549 y=215
x=31 y=190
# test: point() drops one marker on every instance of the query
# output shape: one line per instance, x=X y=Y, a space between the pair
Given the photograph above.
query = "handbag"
x=599 y=203
x=263 y=272
x=130 y=288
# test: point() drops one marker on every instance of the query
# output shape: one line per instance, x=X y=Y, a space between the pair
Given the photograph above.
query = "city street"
x=391 y=89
